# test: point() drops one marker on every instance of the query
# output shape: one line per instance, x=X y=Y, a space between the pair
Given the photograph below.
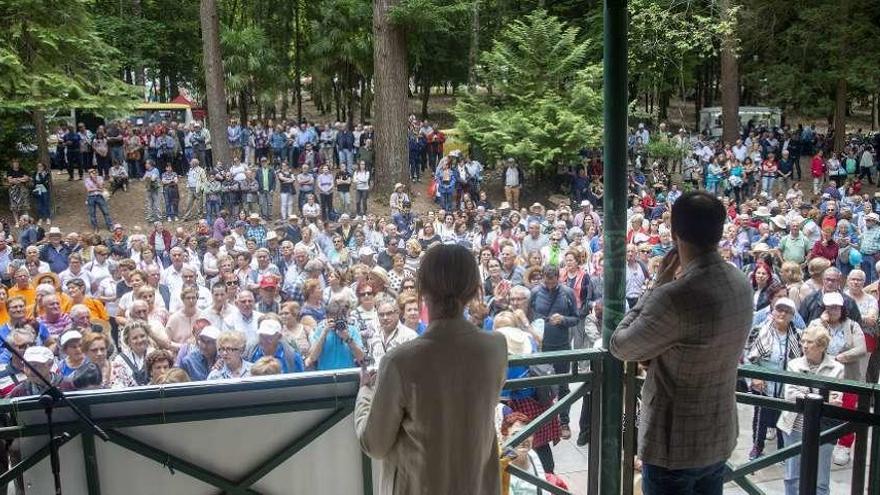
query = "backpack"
x=543 y=394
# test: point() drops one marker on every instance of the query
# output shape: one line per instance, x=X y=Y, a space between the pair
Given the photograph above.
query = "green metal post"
x=614 y=206
x=90 y=458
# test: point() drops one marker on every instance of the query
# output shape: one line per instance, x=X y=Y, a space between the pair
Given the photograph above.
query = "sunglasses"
x=365 y=293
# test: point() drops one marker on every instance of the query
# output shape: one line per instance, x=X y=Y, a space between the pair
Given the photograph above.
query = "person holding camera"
x=336 y=344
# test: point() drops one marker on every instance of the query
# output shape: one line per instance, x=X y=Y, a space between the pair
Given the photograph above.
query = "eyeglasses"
x=365 y=293
x=387 y=313
x=229 y=349
x=231 y=283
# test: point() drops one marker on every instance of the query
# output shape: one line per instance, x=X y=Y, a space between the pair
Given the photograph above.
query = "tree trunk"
x=426 y=95
x=350 y=97
x=243 y=107
x=475 y=46
x=137 y=12
x=392 y=85
x=875 y=113
x=214 y=85
x=38 y=118
x=284 y=105
x=729 y=79
x=297 y=61
x=840 y=115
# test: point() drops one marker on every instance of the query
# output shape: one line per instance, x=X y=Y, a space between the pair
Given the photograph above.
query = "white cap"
x=786 y=302
x=38 y=354
x=873 y=216
x=210 y=332
x=366 y=251
x=832 y=299
x=68 y=336
x=269 y=327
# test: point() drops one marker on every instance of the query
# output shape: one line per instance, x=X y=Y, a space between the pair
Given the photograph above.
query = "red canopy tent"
x=198 y=112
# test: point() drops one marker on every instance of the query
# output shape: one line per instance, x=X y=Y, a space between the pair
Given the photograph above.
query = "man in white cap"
x=269 y=343
x=832 y=282
x=199 y=362
x=43 y=361
x=55 y=252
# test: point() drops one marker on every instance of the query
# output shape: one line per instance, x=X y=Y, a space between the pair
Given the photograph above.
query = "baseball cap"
x=68 y=336
x=38 y=354
x=210 y=332
x=269 y=327
x=832 y=299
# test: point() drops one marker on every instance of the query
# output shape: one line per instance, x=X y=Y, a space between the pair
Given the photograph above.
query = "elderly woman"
x=96 y=347
x=776 y=343
x=445 y=441
x=230 y=348
x=292 y=329
x=815 y=360
x=313 y=303
x=158 y=363
x=868 y=308
x=129 y=368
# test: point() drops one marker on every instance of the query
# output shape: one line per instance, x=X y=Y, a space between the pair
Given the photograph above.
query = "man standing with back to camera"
x=690 y=328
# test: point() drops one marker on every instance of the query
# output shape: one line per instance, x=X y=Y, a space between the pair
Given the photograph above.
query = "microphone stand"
x=51 y=397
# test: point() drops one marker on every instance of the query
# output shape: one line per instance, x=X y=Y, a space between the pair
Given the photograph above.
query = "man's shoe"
x=564 y=432
x=840 y=455
x=583 y=438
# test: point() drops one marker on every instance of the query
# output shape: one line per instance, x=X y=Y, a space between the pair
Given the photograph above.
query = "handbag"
x=546 y=393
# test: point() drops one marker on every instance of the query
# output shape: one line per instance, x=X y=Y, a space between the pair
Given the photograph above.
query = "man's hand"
x=556 y=319
x=668 y=268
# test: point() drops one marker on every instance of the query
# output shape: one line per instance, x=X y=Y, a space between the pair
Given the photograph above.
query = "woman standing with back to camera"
x=428 y=414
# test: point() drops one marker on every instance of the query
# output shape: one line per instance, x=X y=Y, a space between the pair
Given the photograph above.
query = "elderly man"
x=42 y=360
x=244 y=318
x=269 y=343
x=832 y=281
x=392 y=332
x=870 y=246
x=535 y=240
x=794 y=246
x=200 y=361
x=196 y=178
x=15 y=307
x=55 y=252
x=12 y=373
x=55 y=320
x=510 y=270
x=335 y=343
x=269 y=297
x=220 y=309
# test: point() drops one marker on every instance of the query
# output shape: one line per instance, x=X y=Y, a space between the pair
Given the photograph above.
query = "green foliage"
x=51 y=56
x=249 y=62
x=664 y=149
x=667 y=39
x=793 y=57
x=545 y=105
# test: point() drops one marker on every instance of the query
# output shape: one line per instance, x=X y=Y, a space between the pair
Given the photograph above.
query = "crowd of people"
x=321 y=283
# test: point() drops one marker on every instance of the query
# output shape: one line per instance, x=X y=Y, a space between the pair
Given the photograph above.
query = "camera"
x=340 y=326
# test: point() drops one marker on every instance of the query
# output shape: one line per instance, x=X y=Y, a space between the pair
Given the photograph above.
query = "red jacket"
x=817 y=167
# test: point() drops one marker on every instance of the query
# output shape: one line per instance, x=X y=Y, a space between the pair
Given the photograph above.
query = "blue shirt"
x=196 y=365
x=55 y=257
x=336 y=354
x=298 y=365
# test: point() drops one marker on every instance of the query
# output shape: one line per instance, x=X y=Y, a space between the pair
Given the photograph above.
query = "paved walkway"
x=571 y=461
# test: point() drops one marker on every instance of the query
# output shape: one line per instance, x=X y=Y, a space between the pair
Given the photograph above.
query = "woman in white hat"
x=847 y=346
x=775 y=343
